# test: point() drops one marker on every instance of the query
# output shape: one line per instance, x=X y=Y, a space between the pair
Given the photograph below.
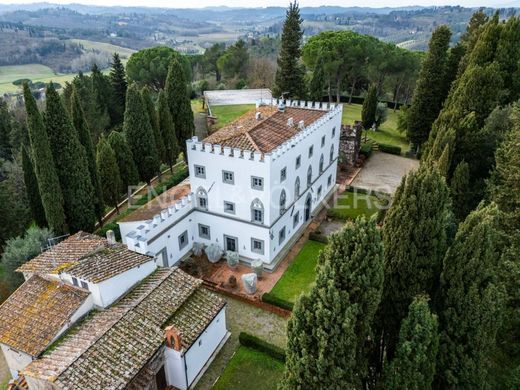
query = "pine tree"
x=289 y=75
x=108 y=172
x=368 y=112
x=33 y=192
x=329 y=329
x=125 y=162
x=415 y=240
x=85 y=138
x=413 y=366
x=119 y=84
x=139 y=135
x=318 y=81
x=154 y=122
x=179 y=100
x=431 y=89
x=71 y=164
x=44 y=167
x=471 y=301
x=5 y=132
x=168 y=137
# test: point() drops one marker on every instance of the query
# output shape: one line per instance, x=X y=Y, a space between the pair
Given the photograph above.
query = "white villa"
x=253 y=185
x=94 y=315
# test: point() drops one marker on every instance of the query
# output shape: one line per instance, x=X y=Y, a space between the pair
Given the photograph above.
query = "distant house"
x=254 y=185
x=94 y=315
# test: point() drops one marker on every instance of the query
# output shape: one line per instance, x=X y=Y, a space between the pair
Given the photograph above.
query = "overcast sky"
x=266 y=3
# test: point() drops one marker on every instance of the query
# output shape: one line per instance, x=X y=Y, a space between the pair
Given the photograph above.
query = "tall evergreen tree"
x=289 y=75
x=413 y=366
x=44 y=167
x=471 y=303
x=33 y=192
x=108 y=172
x=368 y=111
x=329 y=328
x=85 y=138
x=71 y=164
x=139 y=135
x=125 y=161
x=168 y=137
x=415 y=237
x=119 y=84
x=5 y=131
x=180 y=106
x=458 y=189
x=154 y=122
x=318 y=81
x=431 y=87
x=105 y=95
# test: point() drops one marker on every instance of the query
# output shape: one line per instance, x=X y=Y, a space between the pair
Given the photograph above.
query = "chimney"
x=173 y=338
x=290 y=122
x=281 y=106
x=258 y=115
x=111 y=237
x=301 y=125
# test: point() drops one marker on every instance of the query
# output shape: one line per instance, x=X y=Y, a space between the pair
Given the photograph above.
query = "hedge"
x=274 y=300
x=248 y=340
x=366 y=150
x=392 y=149
x=102 y=231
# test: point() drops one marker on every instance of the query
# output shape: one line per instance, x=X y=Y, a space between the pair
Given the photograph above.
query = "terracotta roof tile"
x=36 y=312
x=266 y=134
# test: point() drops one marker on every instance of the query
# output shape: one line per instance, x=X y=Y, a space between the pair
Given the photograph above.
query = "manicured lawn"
x=350 y=205
x=386 y=134
x=227 y=114
x=300 y=274
x=251 y=369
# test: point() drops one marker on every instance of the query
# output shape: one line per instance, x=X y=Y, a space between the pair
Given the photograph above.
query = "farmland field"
x=102 y=46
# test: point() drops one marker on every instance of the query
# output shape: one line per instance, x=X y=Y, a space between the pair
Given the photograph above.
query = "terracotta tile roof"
x=35 y=313
x=106 y=263
x=64 y=254
x=111 y=356
x=163 y=201
x=266 y=134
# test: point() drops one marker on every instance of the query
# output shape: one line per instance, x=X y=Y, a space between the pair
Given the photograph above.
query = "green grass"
x=250 y=369
x=227 y=114
x=124 y=52
x=386 y=134
x=300 y=274
x=350 y=205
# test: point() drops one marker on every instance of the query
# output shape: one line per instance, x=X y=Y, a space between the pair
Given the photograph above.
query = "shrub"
x=102 y=231
x=274 y=300
x=392 y=149
x=248 y=340
x=366 y=150
x=318 y=236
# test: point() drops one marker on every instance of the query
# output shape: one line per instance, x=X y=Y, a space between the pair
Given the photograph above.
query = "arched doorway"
x=308 y=203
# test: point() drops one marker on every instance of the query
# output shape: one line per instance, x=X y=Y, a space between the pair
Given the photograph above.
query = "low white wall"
x=16 y=360
x=175 y=369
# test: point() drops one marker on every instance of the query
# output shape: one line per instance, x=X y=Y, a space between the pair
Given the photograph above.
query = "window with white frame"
x=329 y=180
x=228 y=177
x=204 y=231
x=319 y=192
x=283 y=201
x=297 y=187
x=75 y=282
x=309 y=176
x=321 y=164
x=183 y=240
x=202 y=198
x=257 y=211
x=333 y=132
x=283 y=174
x=331 y=156
x=229 y=207
x=296 y=219
x=311 y=151
x=281 y=235
x=84 y=285
x=257 y=246
x=200 y=171
x=322 y=141
x=298 y=161
x=257 y=183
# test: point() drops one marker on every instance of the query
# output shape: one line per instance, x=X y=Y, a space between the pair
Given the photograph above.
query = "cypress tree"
x=154 y=122
x=329 y=329
x=85 y=138
x=139 y=135
x=431 y=89
x=458 y=189
x=289 y=75
x=5 y=131
x=368 y=111
x=415 y=240
x=119 y=84
x=108 y=173
x=317 y=81
x=413 y=366
x=125 y=162
x=179 y=100
x=44 y=167
x=168 y=137
x=105 y=96
x=471 y=303
x=71 y=164
x=31 y=186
